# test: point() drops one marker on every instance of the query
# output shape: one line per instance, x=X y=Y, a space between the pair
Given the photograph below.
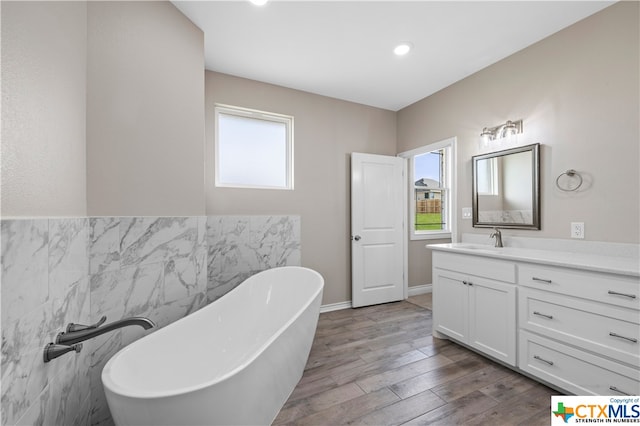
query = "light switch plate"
x=577 y=230
x=466 y=213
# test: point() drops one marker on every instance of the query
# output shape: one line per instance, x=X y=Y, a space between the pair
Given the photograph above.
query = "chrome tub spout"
x=77 y=333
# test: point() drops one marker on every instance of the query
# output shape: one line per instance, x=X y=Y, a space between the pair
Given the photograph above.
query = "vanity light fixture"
x=501 y=131
x=259 y=2
x=403 y=48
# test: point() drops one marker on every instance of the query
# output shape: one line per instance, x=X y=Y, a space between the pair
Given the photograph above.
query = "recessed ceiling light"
x=259 y=2
x=403 y=48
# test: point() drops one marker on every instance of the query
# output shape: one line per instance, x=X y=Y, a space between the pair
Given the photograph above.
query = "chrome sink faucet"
x=498 y=236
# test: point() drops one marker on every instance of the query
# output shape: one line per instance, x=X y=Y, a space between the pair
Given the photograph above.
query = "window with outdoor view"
x=431 y=190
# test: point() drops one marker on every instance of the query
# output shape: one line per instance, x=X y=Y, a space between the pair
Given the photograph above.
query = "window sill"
x=431 y=236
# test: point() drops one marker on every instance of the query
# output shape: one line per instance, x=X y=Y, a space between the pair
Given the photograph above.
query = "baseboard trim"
x=335 y=306
x=420 y=289
x=413 y=291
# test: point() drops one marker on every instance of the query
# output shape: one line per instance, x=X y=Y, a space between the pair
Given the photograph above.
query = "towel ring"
x=570 y=173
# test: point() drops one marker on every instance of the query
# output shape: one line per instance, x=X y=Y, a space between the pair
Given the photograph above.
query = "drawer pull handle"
x=542 y=280
x=540 y=314
x=542 y=359
x=615 y=389
x=467 y=283
x=631 y=339
x=615 y=293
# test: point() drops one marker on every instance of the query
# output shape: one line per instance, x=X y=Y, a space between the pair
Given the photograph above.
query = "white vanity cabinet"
x=577 y=325
x=474 y=302
x=579 y=330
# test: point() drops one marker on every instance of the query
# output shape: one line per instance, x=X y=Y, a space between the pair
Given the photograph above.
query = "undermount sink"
x=480 y=248
x=470 y=246
x=485 y=248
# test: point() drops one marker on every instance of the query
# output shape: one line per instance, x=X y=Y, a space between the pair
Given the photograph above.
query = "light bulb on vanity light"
x=259 y=2
x=502 y=134
x=509 y=129
x=486 y=136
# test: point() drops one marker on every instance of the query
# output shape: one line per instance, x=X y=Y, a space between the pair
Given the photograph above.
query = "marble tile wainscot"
x=141 y=266
x=56 y=271
x=240 y=246
x=45 y=284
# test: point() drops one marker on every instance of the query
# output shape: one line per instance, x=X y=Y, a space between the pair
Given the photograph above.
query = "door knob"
x=357 y=238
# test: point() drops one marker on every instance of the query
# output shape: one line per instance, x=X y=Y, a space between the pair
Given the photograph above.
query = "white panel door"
x=378 y=209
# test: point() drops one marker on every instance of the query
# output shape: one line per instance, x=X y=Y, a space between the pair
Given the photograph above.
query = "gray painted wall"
x=145 y=123
x=577 y=92
x=44 y=62
x=326 y=132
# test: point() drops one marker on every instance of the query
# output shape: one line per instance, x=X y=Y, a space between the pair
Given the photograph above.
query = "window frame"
x=492 y=178
x=287 y=120
x=449 y=190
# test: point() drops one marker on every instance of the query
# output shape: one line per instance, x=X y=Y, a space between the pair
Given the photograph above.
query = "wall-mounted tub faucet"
x=498 y=236
x=77 y=333
x=70 y=339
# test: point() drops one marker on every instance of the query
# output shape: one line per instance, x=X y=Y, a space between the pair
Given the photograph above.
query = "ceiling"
x=344 y=49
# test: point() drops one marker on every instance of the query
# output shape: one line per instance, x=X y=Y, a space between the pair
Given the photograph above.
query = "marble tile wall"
x=141 y=266
x=56 y=271
x=240 y=246
x=45 y=284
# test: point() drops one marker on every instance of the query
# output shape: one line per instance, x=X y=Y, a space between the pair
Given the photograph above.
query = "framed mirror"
x=506 y=188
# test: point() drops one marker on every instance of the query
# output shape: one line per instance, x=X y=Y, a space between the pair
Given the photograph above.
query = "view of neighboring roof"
x=427 y=183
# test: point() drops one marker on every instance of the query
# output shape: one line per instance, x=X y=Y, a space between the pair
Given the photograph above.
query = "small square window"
x=254 y=149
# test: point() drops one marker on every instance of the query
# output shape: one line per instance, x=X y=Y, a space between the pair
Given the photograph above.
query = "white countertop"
x=622 y=265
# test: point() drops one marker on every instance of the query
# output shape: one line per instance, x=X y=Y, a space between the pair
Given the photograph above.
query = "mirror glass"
x=506 y=190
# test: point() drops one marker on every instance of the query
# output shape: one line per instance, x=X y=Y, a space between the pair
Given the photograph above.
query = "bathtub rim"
x=119 y=390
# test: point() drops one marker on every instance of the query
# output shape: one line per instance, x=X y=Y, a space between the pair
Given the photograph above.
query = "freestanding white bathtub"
x=235 y=361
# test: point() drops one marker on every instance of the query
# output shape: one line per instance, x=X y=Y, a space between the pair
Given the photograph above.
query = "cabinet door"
x=492 y=318
x=450 y=304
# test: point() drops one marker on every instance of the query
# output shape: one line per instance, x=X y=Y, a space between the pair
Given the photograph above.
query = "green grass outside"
x=428 y=221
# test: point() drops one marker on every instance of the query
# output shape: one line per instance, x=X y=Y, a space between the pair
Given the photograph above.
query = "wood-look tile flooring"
x=379 y=365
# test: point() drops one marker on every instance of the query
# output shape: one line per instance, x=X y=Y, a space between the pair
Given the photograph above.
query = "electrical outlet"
x=577 y=229
x=466 y=212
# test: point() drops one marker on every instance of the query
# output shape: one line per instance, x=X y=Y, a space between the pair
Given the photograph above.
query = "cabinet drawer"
x=604 y=329
x=476 y=265
x=574 y=370
x=616 y=290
